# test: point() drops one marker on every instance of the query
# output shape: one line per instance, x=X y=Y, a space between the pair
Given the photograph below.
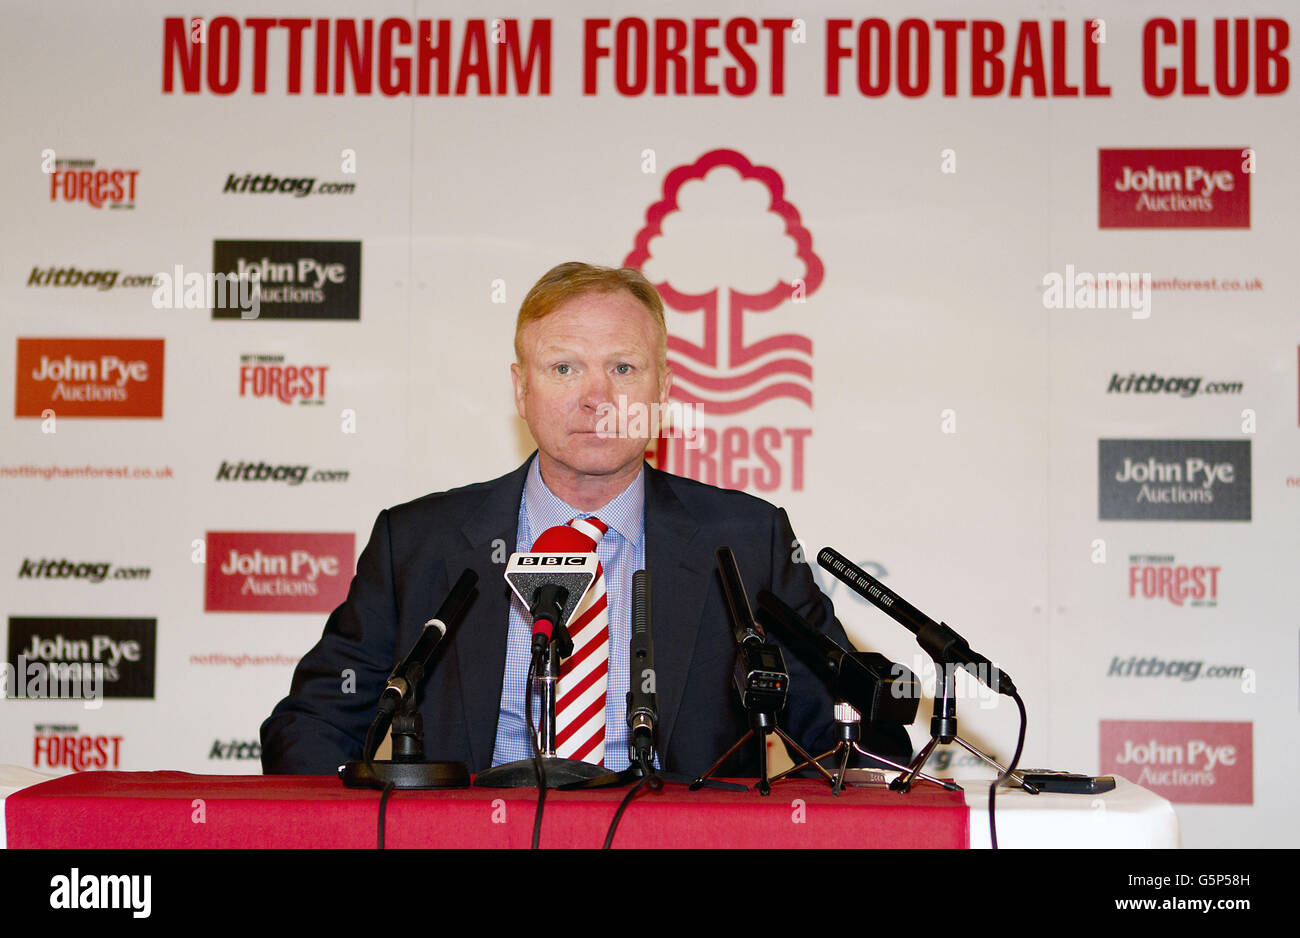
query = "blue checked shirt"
x=622 y=553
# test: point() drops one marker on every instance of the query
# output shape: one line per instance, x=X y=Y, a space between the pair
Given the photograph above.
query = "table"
x=177 y=809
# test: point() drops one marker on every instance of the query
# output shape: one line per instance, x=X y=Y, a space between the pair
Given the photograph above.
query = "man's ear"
x=517 y=379
x=665 y=385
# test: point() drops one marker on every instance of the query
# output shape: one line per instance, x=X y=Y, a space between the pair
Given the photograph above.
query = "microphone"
x=743 y=626
x=879 y=689
x=403 y=681
x=551 y=580
x=940 y=641
x=642 y=707
x=761 y=676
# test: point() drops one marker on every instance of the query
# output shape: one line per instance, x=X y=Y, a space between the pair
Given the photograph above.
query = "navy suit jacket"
x=417 y=551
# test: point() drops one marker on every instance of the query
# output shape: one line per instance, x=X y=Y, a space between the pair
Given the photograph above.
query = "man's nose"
x=597 y=389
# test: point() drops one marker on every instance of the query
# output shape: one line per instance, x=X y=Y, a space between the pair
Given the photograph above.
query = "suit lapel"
x=680 y=585
x=481 y=645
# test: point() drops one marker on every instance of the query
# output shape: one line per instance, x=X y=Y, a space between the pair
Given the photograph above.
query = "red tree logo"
x=724 y=242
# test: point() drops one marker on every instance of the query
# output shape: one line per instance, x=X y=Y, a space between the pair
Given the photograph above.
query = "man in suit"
x=588 y=340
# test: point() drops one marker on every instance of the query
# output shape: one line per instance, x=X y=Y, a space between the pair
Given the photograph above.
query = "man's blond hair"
x=574 y=278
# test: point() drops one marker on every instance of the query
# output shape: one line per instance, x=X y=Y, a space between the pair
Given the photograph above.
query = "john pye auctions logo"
x=1187 y=762
x=1174 y=480
x=89 y=377
x=1206 y=188
x=294 y=279
x=109 y=657
x=277 y=572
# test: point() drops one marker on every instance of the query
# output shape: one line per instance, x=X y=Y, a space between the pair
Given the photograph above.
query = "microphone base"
x=905 y=781
x=762 y=724
x=841 y=753
x=558 y=772
x=405 y=775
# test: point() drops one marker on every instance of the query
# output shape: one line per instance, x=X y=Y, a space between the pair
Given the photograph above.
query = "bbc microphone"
x=550 y=580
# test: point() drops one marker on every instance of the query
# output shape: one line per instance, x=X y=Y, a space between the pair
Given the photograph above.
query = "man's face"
x=577 y=363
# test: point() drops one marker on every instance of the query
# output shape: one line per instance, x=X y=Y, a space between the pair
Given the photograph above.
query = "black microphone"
x=743 y=626
x=642 y=707
x=403 y=681
x=879 y=689
x=761 y=676
x=936 y=638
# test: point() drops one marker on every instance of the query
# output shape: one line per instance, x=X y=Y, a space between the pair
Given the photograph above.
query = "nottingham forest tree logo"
x=735 y=266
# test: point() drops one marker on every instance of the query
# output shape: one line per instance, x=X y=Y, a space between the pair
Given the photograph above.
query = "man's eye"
x=562 y=369
x=623 y=369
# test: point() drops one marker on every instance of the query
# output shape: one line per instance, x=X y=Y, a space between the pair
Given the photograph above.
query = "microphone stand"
x=397 y=708
x=761 y=677
x=855 y=679
x=943 y=728
x=408 y=768
x=946 y=649
x=763 y=722
x=557 y=772
x=848 y=730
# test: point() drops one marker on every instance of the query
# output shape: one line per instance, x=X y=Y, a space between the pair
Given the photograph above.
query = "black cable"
x=383 y=805
x=993 y=789
x=537 y=752
x=647 y=776
x=369 y=768
x=622 y=806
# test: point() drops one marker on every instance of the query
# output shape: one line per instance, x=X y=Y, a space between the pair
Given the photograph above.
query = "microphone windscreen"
x=562 y=539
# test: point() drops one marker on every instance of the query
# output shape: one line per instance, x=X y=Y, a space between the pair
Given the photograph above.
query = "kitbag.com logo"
x=1186 y=762
x=290 y=474
x=271 y=184
x=1173 y=480
x=266 y=571
x=236 y=749
x=100 y=280
x=1174 y=188
x=1136 y=383
x=89 y=378
x=78 y=180
x=64 y=747
x=50 y=657
x=89 y=572
x=294 y=279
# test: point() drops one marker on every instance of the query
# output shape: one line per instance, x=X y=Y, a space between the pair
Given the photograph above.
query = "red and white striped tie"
x=580 y=697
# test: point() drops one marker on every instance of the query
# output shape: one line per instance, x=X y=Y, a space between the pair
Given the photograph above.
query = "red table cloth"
x=177 y=810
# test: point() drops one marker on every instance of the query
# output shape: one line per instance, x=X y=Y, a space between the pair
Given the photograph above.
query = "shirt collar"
x=625 y=513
